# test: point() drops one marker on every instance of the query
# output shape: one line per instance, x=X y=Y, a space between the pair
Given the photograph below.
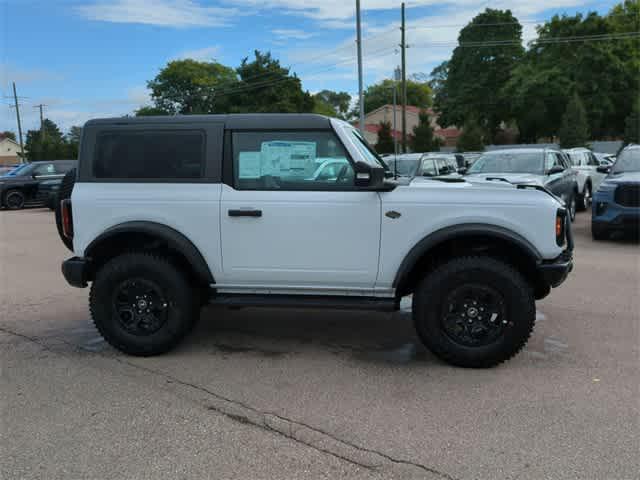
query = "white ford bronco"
x=167 y=214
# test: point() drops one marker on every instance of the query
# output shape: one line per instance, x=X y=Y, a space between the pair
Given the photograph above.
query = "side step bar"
x=306 y=301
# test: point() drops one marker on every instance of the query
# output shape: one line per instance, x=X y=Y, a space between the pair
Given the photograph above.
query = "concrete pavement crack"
x=263 y=415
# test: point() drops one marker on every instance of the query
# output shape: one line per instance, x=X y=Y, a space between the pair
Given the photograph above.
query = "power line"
x=498 y=24
x=542 y=41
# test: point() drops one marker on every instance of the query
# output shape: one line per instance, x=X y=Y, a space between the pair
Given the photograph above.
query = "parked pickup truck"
x=167 y=214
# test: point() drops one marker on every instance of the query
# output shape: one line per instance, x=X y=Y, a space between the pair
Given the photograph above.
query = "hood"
x=458 y=182
x=516 y=178
x=625 y=177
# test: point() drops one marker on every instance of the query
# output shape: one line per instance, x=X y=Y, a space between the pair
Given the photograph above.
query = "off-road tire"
x=429 y=308
x=66 y=187
x=11 y=196
x=182 y=305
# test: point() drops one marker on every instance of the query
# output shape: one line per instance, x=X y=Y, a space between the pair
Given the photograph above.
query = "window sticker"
x=249 y=165
x=291 y=159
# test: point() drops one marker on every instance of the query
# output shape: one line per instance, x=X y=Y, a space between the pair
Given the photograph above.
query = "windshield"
x=367 y=152
x=509 y=162
x=21 y=170
x=628 y=161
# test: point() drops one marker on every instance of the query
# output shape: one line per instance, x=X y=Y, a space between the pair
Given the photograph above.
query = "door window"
x=429 y=167
x=444 y=166
x=562 y=161
x=167 y=154
x=272 y=160
x=549 y=161
x=45 y=169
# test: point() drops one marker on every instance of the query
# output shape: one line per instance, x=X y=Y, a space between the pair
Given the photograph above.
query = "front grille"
x=628 y=195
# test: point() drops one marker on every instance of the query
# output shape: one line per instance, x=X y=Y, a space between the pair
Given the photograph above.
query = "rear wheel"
x=14 y=199
x=474 y=312
x=142 y=304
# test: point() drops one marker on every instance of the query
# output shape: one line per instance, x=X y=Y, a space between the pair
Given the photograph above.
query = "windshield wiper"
x=500 y=179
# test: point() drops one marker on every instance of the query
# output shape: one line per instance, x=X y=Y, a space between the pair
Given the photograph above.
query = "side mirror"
x=555 y=169
x=603 y=169
x=371 y=178
x=462 y=170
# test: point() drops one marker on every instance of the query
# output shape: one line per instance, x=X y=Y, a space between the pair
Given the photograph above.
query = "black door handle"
x=245 y=213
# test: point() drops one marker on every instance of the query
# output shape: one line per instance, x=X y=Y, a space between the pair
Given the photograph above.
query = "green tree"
x=375 y=96
x=188 y=86
x=604 y=73
x=479 y=68
x=538 y=99
x=149 y=111
x=267 y=87
x=9 y=134
x=335 y=104
x=423 y=139
x=438 y=79
x=72 y=140
x=385 y=140
x=472 y=137
x=574 y=131
x=50 y=146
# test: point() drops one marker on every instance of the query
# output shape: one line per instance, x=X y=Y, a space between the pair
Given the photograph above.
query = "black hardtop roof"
x=251 y=121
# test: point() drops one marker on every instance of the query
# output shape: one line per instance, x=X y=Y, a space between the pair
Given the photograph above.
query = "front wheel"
x=573 y=207
x=584 y=200
x=14 y=199
x=474 y=312
x=142 y=304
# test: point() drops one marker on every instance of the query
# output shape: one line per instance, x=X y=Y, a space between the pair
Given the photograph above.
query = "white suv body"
x=255 y=227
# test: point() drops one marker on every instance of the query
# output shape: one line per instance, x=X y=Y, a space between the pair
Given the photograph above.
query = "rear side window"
x=158 y=154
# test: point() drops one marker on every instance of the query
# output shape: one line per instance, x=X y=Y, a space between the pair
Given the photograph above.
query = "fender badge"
x=393 y=214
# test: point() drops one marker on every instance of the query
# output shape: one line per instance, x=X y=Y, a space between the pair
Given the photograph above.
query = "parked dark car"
x=616 y=204
x=548 y=168
x=21 y=187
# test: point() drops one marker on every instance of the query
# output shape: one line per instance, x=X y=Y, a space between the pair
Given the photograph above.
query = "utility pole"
x=396 y=79
x=15 y=99
x=403 y=46
x=360 y=85
x=43 y=133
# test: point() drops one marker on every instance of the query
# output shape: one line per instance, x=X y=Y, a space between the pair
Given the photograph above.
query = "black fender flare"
x=459 y=231
x=173 y=238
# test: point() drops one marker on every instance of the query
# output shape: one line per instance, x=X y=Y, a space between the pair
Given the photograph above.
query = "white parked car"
x=169 y=213
x=586 y=164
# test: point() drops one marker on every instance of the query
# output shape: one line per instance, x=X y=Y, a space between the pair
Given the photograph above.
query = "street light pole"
x=360 y=82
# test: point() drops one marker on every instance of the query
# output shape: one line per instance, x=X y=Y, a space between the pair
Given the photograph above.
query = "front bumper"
x=555 y=272
x=76 y=271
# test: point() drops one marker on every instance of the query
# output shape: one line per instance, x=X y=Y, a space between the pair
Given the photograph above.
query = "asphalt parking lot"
x=255 y=394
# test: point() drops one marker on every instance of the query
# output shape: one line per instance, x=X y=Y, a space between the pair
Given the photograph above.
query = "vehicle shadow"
x=369 y=336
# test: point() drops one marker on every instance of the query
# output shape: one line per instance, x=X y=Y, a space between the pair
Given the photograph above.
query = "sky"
x=84 y=59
